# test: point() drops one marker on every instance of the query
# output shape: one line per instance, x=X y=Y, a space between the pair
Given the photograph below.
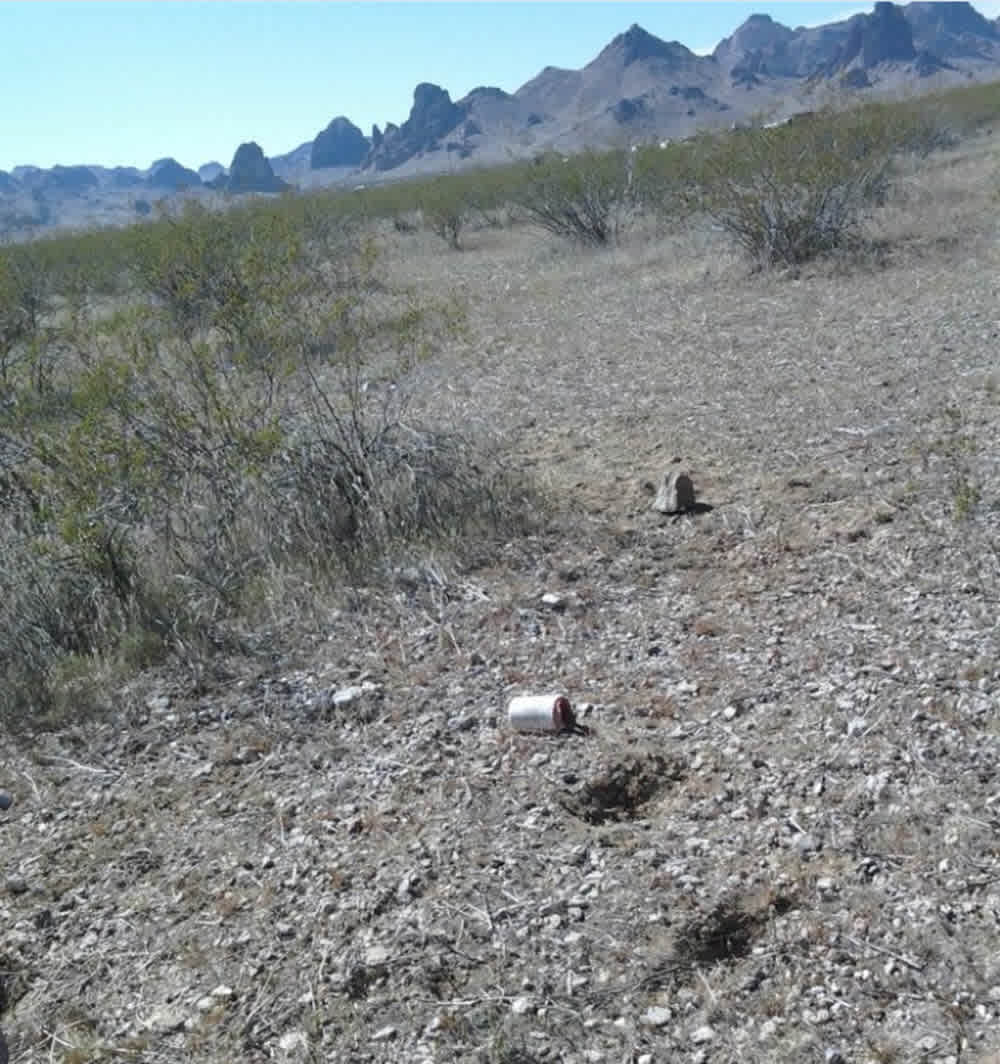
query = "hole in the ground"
x=621 y=790
x=726 y=932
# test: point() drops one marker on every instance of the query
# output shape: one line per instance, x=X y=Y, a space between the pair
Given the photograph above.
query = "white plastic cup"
x=540 y=713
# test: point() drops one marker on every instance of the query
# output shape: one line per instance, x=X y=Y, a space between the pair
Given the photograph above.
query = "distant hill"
x=637 y=88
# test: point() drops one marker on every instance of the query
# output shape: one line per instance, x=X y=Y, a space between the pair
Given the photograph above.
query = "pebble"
x=768 y=1029
x=657 y=1016
x=166 y=1019
x=292 y=1041
x=376 y=955
x=16 y=885
x=702 y=1035
x=346 y=695
x=383 y=1034
x=6 y=800
x=806 y=843
x=522 y=1005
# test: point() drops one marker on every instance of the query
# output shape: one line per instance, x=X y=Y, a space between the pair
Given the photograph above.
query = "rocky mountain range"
x=637 y=88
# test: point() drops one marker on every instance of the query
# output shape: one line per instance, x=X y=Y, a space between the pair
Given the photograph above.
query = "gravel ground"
x=780 y=841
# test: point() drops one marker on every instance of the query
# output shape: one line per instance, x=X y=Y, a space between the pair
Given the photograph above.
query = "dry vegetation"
x=318 y=841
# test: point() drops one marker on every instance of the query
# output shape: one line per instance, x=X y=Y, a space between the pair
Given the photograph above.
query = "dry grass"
x=814 y=660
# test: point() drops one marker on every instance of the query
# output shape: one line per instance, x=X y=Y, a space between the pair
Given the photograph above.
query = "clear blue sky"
x=124 y=83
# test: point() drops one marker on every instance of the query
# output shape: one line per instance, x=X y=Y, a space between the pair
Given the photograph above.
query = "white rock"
x=383 y=1034
x=346 y=695
x=768 y=1029
x=522 y=1005
x=293 y=1042
x=166 y=1019
x=376 y=955
x=657 y=1016
x=702 y=1035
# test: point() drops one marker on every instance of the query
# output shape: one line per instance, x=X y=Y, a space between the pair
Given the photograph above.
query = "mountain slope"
x=637 y=88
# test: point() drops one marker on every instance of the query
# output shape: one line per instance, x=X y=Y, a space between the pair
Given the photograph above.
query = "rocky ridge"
x=639 y=87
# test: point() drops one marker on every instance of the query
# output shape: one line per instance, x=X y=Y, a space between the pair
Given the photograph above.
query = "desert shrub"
x=962 y=110
x=22 y=299
x=445 y=210
x=586 y=198
x=405 y=223
x=228 y=428
x=789 y=193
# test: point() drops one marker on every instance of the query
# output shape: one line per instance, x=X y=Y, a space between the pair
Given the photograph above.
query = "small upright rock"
x=6 y=800
x=676 y=494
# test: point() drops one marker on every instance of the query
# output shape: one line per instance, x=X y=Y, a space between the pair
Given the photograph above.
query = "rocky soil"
x=780 y=841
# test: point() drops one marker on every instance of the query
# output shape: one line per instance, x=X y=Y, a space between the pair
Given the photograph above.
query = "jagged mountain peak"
x=758 y=33
x=952 y=30
x=637 y=87
x=636 y=45
x=952 y=17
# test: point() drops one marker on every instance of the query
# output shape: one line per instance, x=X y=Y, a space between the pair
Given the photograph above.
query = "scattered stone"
x=6 y=800
x=657 y=1016
x=806 y=843
x=676 y=494
x=293 y=1042
x=768 y=1029
x=17 y=885
x=376 y=956
x=166 y=1019
x=384 y=1034
x=554 y=601
x=346 y=695
x=702 y=1035
x=522 y=1005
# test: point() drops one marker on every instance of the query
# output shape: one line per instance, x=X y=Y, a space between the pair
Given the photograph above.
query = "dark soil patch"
x=622 y=789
